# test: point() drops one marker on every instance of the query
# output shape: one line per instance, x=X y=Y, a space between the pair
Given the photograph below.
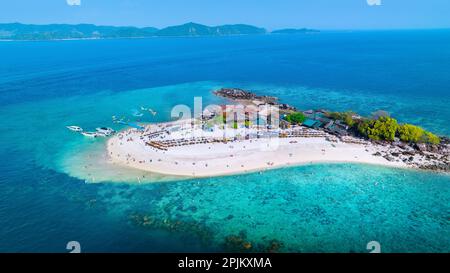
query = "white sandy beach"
x=217 y=159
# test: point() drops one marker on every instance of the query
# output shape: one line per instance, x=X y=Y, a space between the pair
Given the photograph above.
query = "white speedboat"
x=117 y=120
x=149 y=110
x=104 y=131
x=75 y=128
x=89 y=134
x=138 y=114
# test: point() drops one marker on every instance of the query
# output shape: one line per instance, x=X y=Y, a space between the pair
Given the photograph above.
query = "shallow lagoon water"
x=53 y=192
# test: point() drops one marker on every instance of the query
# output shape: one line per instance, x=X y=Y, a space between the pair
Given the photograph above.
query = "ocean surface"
x=56 y=187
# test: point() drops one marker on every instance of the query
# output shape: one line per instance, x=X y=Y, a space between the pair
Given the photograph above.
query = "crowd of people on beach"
x=171 y=137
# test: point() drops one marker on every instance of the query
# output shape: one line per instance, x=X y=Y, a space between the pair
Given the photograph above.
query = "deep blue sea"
x=55 y=187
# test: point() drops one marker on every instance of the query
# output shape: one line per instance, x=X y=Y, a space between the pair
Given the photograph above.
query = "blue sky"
x=271 y=14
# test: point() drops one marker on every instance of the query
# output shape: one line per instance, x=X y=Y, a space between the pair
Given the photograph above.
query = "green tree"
x=410 y=133
x=383 y=128
x=296 y=118
x=415 y=134
x=432 y=138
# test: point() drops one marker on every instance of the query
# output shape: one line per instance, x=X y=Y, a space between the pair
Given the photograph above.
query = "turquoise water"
x=54 y=189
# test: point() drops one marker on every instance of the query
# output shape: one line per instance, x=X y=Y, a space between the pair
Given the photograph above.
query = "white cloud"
x=73 y=2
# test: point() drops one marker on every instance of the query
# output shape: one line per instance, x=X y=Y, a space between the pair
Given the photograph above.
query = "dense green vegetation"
x=383 y=127
x=431 y=138
x=296 y=118
x=412 y=133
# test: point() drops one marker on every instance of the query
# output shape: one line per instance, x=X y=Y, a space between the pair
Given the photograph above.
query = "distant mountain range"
x=17 y=31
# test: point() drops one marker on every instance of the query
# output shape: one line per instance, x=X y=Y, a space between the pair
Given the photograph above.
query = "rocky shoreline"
x=424 y=157
x=246 y=97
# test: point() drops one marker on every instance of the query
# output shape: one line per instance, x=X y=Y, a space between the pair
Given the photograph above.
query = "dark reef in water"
x=178 y=226
x=240 y=243
x=231 y=243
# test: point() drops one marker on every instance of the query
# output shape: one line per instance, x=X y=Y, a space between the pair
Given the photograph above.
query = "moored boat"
x=104 y=131
x=89 y=134
x=75 y=128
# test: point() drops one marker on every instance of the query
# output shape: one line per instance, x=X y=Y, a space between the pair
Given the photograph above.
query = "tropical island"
x=17 y=31
x=248 y=136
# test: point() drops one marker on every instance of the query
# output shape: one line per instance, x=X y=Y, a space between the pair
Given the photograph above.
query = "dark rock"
x=240 y=94
x=433 y=148
x=287 y=107
x=421 y=147
x=274 y=246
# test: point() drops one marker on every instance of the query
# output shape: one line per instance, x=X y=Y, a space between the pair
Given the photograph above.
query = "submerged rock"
x=240 y=243
x=274 y=246
x=178 y=226
x=229 y=217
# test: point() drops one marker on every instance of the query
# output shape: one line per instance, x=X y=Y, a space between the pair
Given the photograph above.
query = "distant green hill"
x=193 y=29
x=17 y=31
x=294 y=31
